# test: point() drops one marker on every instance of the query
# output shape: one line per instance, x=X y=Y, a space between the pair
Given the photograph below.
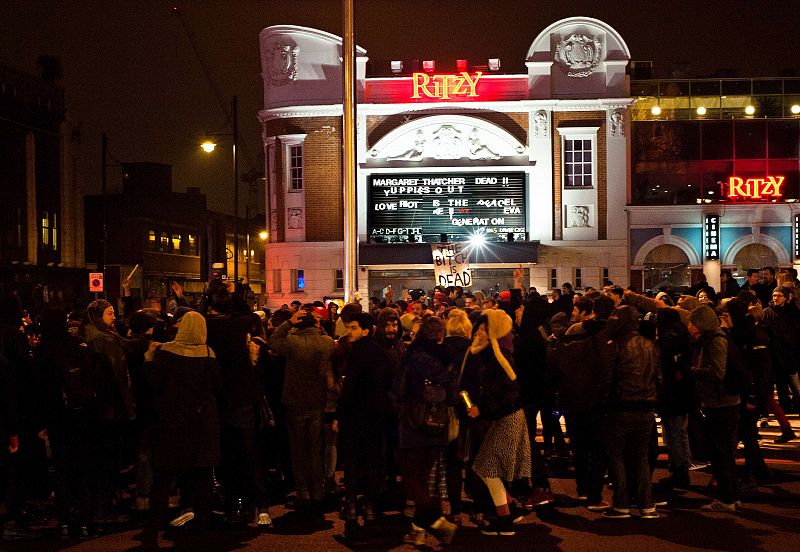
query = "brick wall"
x=322 y=165
x=579 y=119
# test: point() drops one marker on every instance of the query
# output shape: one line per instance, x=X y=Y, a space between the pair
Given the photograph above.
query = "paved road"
x=769 y=521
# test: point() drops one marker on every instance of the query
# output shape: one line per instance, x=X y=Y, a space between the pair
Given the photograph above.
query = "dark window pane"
x=735 y=87
x=717 y=139
x=587 y=168
x=568 y=157
x=570 y=181
x=751 y=139
x=568 y=169
x=767 y=86
x=784 y=139
x=705 y=88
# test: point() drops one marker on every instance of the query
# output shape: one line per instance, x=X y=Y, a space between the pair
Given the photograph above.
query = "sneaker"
x=785 y=437
x=699 y=465
x=416 y=536
x=660 y=501
x=502 y=526
x=617 y=513
x=598 y=506
x=540 y=497
x=648 y=513
x=517 y=514
x=185 y=517
x=86 y=532
x=444 y=530
x=62 y=531
x=717 y=506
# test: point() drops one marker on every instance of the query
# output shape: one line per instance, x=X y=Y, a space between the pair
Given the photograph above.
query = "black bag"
x=431 y=415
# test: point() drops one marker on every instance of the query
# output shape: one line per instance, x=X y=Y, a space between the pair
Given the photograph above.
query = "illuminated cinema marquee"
x=445 y=87
x=755 y=189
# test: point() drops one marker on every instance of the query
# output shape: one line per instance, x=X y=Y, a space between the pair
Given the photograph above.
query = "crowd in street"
x=216 y=409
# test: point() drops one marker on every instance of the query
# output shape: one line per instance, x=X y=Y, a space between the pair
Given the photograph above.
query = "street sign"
x=95 y=282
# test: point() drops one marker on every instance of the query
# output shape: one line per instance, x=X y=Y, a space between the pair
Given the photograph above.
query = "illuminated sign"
x=445 y=87
x=797 y=236
x=755 y=189
x=712 y=237
x=421 y=207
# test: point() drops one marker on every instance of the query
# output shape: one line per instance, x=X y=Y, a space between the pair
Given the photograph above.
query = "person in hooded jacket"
x=100 y=334
x=633 y=393
x=505 y=453
x=720 y=407
x=185 y=381
x=675 y=398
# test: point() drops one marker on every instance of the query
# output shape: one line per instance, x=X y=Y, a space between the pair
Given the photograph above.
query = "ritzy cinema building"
x=574 y=169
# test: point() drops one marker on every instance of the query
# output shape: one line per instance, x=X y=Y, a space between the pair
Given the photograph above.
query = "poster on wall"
x=451 y=264
x=421 y=207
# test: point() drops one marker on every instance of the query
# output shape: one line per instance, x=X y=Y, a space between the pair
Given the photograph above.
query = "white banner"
x=451 y=264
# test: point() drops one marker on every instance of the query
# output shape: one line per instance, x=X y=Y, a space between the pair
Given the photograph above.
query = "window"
x=276 y=280
x=151 y=240
x=192 y=245
x=49 y=231
x=605 y=275
x=553 y=278
x=163 y=244
x=176 y=243
x=577 y=163
x=338 y=279
x=577 y=280
x=296 y=168
x=298 y=280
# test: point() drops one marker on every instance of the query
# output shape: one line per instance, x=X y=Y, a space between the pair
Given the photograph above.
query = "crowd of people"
x=434 y=400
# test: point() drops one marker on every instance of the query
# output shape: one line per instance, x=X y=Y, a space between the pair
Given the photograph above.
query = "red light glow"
x=755 y=189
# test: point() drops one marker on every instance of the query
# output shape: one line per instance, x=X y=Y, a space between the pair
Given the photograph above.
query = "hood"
x=688 y=302
x=705 y=319
x=624 y=320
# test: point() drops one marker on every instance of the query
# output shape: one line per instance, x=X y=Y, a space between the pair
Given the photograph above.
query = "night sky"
x=130 y=69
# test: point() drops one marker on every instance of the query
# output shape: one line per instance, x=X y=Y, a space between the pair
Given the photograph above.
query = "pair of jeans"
x=748 y=435
x=586 y=437
x=197 y=486
x=305 y=442
x=627 y=438
x=676 y=436
x=721 y=425
x=539 y=478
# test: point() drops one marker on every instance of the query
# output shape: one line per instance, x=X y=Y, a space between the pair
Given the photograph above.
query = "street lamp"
x=208 y=146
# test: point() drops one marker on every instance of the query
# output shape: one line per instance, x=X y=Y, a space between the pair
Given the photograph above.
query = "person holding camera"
x=308 y=351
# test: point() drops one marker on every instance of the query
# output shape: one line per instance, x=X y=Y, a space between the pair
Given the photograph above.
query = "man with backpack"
x=720 y=406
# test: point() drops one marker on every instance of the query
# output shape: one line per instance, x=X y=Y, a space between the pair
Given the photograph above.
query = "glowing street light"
x=749 y=109
x=263 y=234
x=208 y=146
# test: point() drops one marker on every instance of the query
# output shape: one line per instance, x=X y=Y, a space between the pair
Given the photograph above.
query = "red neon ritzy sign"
x=755 y=189
x=445 y=87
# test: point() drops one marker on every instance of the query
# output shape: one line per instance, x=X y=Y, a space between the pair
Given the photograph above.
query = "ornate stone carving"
x=617 y=123
x=414 y=153
x=478 y=149
x=447 y=143
x=295 y=218
x=282 y=63
x=578 y=216
x=540 y=124
x=579 y=54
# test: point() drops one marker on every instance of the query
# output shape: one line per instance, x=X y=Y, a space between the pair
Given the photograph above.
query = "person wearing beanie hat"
x=505 y=454
x=781 y=321
x=721 y=408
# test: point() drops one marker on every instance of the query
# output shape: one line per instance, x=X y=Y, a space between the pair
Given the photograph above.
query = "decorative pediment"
x=447 y=137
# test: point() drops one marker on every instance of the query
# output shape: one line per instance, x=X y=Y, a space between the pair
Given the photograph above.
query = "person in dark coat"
x=675 y=398
x=426 y=360
x=360 y=417
x=185 y=381
x=530 y=363
x=229 y=325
